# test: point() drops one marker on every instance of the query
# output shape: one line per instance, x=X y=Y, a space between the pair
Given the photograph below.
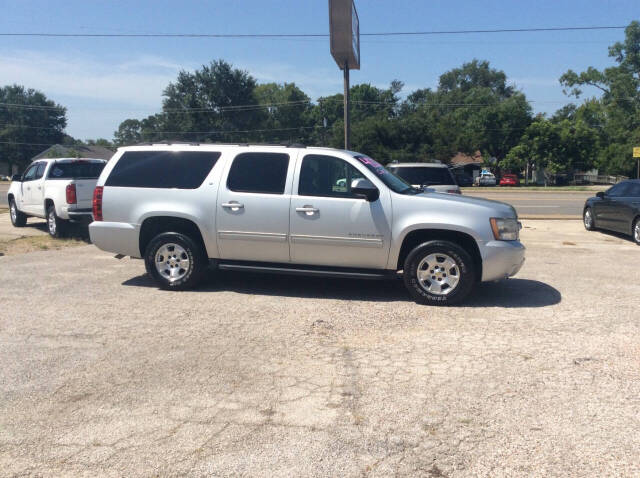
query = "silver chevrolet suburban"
x=297 y=210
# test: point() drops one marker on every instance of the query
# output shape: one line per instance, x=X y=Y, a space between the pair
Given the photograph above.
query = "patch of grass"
x=23 y=245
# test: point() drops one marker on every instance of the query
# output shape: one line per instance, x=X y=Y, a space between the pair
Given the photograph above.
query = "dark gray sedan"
x=617 y=209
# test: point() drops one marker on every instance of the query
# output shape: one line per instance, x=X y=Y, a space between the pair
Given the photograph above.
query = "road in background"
x=538 y=203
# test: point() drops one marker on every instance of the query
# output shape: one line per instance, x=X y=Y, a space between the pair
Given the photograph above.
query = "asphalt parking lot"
x=258 y=375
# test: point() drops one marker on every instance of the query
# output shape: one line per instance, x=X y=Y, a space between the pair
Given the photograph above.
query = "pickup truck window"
x=162 y=169
x=326 y=176
x=30 y=173
x=40 y=170
x=258 y=173
x=76 y=170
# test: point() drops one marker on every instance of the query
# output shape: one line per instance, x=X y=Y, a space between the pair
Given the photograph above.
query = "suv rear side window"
x=162 y=169
x=259 y=173
x=76 y=170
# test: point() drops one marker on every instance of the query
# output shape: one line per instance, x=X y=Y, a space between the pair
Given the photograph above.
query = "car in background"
x=485 y=178
x=437 y=177
x=58 y=190
x=463 y=180
x=5 y=178
x=616 y=209
x=509 y=180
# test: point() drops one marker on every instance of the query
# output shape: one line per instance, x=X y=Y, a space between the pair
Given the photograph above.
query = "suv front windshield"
x=392 y=181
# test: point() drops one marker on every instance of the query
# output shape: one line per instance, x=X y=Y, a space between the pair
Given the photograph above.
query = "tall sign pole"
x=636 y=154
x=344 y=28
x=347 y=119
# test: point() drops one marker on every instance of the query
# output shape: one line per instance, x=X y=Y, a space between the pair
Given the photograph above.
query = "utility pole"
x=347 y=121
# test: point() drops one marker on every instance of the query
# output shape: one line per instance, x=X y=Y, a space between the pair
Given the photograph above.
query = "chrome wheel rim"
x=588 y=220
x=14 y=212
x=438 y=274
x=172 y=262
x=636 y=231
x=51 y=221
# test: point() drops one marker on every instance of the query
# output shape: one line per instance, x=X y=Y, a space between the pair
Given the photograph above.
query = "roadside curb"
x=547 y=217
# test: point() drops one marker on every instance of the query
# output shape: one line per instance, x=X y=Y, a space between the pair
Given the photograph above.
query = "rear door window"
x=76 y=170
x=162 y=169
x=258 y=173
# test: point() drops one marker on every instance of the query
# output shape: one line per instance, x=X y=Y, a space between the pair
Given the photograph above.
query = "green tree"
x=616 y=113
x=288 y=113
x=29 y=122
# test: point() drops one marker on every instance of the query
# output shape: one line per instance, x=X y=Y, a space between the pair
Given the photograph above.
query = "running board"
x=310 y=272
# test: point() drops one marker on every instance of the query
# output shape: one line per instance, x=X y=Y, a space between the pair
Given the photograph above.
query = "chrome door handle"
x=234 y=206
x=308 y=210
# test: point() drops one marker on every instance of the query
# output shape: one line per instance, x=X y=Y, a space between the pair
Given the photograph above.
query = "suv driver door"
x=330 y=225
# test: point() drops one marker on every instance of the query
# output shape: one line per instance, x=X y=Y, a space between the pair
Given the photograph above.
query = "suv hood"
x=499 y=209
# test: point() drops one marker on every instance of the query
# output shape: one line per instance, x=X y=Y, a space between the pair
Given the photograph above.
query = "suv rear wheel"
x=439 y=273
x=175 y=261
x=18 y=219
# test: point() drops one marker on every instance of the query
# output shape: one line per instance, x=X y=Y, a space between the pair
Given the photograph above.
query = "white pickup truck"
x=60 y=190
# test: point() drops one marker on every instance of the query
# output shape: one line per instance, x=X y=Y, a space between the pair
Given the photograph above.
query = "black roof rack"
x=191 y=143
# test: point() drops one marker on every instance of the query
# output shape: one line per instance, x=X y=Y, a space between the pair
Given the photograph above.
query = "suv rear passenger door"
x=252 y=212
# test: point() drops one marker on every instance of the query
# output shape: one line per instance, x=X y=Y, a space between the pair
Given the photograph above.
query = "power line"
x=303 y=35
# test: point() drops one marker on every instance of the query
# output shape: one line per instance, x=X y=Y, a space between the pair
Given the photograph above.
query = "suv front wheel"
x=439 y=273
x=175 y=261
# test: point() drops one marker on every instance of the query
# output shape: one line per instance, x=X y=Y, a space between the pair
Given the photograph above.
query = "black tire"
x=635 y=230
x=465 y=273
x=18 y=219
x=55 y=226
x=185 y=278
x=588 y=225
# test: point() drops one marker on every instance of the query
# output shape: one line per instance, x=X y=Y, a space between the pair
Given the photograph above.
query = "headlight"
x=505 y=229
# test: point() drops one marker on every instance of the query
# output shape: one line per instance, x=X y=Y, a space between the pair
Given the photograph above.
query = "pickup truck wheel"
x=56 y=226
x=439 y=273
x=18 y=219
x=175 y=261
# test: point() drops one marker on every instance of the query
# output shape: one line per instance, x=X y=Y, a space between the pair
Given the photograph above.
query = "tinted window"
x=326 y=176
x=76 y=170
x=425 y=176
x=162 y=169
x=619 y=190
x=40 y=170
x=30 y=173
x=258 y=173
x=634 y=190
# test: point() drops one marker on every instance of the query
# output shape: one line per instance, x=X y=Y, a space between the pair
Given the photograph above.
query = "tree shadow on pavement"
x=508 y=293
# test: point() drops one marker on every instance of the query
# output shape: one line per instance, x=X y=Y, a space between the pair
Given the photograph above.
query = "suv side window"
x=162 y=169
x=619 y=190
x=40 y=170
x=30 y=173
x=326 y=176
x=258 y=173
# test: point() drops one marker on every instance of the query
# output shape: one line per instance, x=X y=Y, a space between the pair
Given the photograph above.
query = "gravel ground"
x=257 y=375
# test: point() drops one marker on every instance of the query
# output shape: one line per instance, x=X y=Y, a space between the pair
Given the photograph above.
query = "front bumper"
x=501 y=259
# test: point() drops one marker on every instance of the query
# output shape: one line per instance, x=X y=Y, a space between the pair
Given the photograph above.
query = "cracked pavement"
x=261 y=375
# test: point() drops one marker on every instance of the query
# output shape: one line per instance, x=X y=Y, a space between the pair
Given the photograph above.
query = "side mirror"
x=600 y=194
x=364 y=188
x=17 y=178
